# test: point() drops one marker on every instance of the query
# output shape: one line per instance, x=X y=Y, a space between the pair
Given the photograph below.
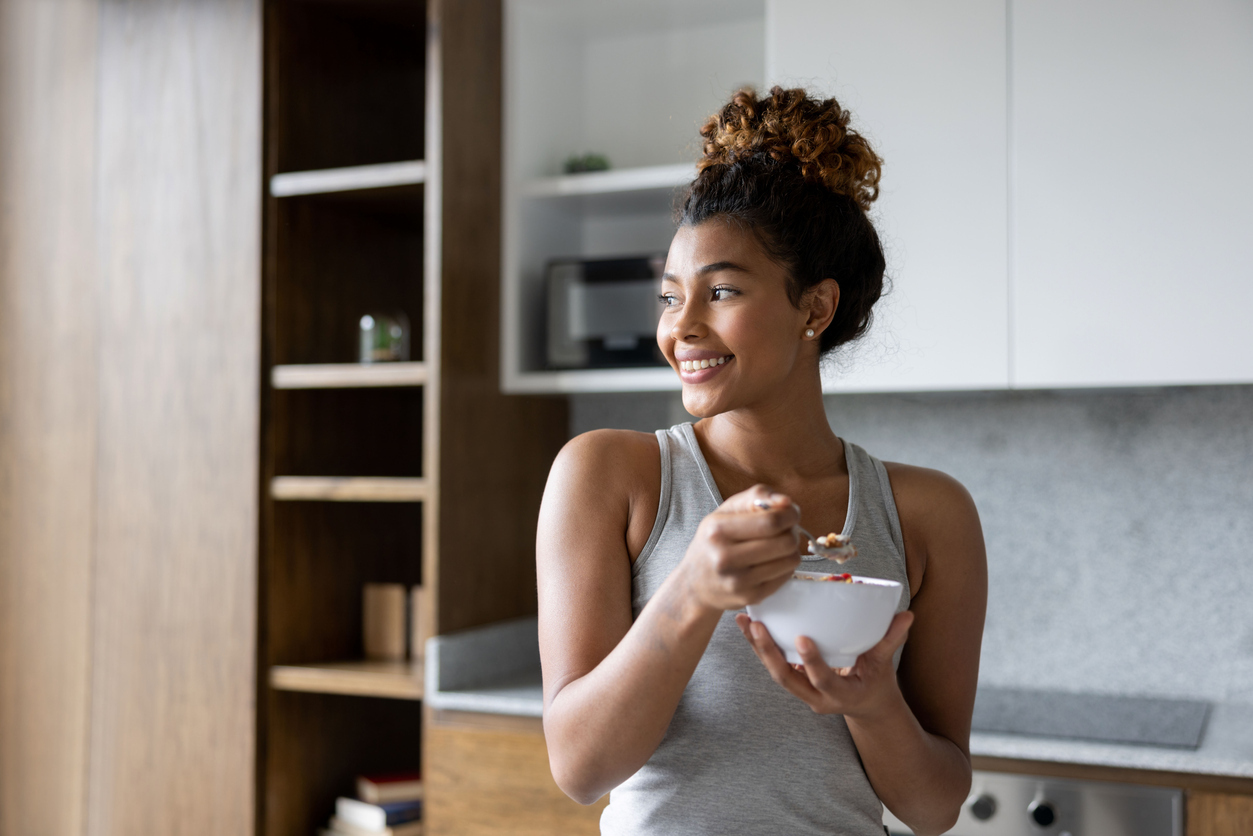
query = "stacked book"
x=386 y=805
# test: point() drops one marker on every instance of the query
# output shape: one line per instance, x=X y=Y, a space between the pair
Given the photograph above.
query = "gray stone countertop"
x=1226 y=748
x=496 y=670
x=493 y=670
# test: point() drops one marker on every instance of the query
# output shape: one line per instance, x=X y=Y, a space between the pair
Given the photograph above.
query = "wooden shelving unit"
x=382 y=166
x=390 y=680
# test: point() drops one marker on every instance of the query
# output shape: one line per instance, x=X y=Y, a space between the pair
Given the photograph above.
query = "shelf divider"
x=350 y=488
x=351 y=178
x=363 y=678
x=347 y=375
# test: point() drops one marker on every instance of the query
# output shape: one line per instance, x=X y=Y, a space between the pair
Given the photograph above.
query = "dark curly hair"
x=788 y=168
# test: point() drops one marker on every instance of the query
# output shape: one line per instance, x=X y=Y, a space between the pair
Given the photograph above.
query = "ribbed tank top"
x=742 y=755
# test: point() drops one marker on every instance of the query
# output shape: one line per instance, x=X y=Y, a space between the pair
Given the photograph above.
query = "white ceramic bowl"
x=843 y=619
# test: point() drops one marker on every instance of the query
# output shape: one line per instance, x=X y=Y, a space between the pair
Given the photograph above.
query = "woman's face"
x=725 y=304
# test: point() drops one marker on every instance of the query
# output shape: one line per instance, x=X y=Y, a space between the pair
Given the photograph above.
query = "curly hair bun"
x=791 y=125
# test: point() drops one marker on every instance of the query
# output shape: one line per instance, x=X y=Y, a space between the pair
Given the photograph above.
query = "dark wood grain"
x=47 y=409
x=320 y=743
x=349 y=432
x=344 y=86
x=353 y=81
x=494 y=450
x=322 y=554
x=336 y=260
x=434 y=252
x=174 y=609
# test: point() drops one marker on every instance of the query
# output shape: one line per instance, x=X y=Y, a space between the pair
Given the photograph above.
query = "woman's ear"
x=823 y=299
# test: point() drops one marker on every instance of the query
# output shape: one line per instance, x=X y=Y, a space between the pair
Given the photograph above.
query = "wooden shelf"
x=350 y=488
x=348 y=375
x=353 y=178
x=645 y=178
x=395 y=680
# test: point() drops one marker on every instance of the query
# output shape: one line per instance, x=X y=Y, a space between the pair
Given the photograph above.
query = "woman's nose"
x=688 y=325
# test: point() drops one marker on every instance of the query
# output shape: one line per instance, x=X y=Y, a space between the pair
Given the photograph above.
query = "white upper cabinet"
x=1132 y=183
x=926 y=83
x=1067 y=194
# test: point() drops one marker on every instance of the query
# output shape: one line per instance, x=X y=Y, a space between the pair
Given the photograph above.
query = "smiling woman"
x=655 y=689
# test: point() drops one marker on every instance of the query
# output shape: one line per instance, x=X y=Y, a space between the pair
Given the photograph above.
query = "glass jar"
x=384 y=337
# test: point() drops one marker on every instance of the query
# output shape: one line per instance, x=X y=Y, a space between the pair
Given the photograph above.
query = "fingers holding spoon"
x=831 y=546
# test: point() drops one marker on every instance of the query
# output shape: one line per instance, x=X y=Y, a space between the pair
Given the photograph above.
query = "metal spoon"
x=842 y=550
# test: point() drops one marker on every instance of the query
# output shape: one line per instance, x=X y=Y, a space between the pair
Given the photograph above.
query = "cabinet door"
x=1219 y=814
x=1132 y=184
x=488 y=776
x=926 y=84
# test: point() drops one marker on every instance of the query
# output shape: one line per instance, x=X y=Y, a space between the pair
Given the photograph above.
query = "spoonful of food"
x=831 y=546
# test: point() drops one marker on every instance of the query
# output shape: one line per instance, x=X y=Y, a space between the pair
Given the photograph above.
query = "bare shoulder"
x=627 y=455
x=611 y=477
x=938 y=516
x=924 y=492
x=618 y=446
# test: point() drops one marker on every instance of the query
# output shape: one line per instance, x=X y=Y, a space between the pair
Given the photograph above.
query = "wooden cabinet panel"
x=1132 y=192
x=174 y=606
x=496 y=782
x=1217 y=814
x=927 y=84
x=47 y=409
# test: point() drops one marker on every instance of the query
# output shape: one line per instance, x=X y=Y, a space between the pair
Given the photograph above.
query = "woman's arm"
x=912 y=727
x=610 y=685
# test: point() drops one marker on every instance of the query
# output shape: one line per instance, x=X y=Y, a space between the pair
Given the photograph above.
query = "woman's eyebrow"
x=716 y=267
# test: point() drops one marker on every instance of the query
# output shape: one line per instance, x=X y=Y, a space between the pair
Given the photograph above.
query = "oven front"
x=1002 y=804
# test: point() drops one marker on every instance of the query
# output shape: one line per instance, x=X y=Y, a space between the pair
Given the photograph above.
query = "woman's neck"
x=781 y=439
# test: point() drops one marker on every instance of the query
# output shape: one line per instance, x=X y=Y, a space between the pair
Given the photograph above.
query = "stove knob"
x=1042 y=812
x=982 y=806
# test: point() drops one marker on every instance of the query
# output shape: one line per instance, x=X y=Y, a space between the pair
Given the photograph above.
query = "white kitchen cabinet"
x=926 y=83
x=1132 y=184
x=1067 y=197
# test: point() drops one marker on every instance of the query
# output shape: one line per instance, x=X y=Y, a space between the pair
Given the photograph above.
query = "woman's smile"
x=700 y=366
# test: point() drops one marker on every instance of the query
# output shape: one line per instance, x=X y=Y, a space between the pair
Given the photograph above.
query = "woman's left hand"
x=863 y=690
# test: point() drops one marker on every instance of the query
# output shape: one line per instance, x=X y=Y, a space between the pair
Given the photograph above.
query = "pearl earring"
x=809 y=332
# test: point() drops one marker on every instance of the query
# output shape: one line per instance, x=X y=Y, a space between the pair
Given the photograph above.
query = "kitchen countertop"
x=496 y=670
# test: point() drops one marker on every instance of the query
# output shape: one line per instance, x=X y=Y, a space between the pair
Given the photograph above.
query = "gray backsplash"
x=1119 y=524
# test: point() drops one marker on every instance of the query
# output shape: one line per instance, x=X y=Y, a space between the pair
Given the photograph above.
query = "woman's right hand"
x=743 y=551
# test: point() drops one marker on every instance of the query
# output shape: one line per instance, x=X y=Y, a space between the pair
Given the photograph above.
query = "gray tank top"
x=742 y=755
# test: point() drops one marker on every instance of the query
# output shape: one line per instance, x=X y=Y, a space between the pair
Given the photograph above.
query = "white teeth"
x=697 y=365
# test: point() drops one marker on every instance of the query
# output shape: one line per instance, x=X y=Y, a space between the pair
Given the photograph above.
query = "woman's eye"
x=721 y=293
x=666 y=300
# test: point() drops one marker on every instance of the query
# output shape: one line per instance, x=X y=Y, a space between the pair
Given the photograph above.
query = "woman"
x=654 y=687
